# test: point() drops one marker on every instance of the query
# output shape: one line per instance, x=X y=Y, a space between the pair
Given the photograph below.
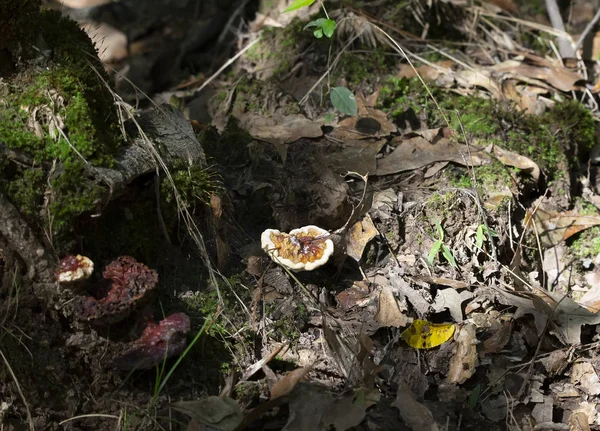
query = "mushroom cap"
x=126 y=283
x=303 y=249
x=73 y=269
x=157 y=343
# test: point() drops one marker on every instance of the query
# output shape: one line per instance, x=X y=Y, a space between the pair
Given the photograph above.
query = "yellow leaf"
x=424 y=335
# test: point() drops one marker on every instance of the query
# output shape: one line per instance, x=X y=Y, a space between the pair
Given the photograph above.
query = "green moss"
x=195 y=184
x=23 y=190
x=555 y=140
x=275 y=53
x=61 y=117
x=361 y=68
x=587 y=245
x=490 y=179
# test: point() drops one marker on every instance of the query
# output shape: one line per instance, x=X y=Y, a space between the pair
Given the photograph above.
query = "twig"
x=226 y=65
x=564 y=46
x=587 y=29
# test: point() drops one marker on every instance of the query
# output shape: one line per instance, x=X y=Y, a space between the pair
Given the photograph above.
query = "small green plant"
x=439 y=245
x=483 y=234
x=341 y=98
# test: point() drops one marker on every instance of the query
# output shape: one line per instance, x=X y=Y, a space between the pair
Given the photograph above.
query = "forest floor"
x=452 y=158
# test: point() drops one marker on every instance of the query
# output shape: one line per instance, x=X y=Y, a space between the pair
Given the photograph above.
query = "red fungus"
x=73 y=270
x=157 y=343
x=128 y=282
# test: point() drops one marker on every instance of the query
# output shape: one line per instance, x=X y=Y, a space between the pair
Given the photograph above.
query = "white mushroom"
x=303 y=249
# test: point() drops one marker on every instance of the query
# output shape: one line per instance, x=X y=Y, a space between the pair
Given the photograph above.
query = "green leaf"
x=433 y=252
x=343 y=100
x=328 y=27
x=449 y=256
x=316 y=23
x=298 y=4
x=474 y=397
x=438 y=226
x=480 y=236
x=328 y=118
x=318 y=33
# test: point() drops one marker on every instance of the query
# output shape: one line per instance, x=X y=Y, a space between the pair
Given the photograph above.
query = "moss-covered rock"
x=58 y=120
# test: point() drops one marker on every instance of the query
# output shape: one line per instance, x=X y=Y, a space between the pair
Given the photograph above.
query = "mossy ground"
x=556 y=140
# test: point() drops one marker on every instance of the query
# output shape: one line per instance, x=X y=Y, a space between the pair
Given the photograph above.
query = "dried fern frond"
x=351 y=25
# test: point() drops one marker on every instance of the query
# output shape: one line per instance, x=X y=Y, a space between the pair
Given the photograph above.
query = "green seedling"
x=341 y=98
x=483 y=233
x=439 y=245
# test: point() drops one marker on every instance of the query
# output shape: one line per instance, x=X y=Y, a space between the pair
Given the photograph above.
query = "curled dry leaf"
x=534 y=67
x=221 y=413
x=496 y=342
x=389 y=312
x=414 y=414
x=584 y=375
x=287 y=383
x=417 y=152
x=553 y=227
x=358 y=236
x=464 y=354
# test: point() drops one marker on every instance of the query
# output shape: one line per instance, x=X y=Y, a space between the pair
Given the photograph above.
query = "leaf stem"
x=324 y=10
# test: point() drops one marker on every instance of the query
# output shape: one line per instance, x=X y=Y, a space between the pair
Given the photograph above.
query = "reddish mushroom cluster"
x=126 y=282
x=158 y=342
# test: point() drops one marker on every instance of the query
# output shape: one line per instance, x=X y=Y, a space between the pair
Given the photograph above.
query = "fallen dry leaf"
x=414 y=414
x=464 y=354
x=344 y=413
x=526 y=97
x=568 y=315
x=452 y=300
x=287 y=383
x=496 y=342
x=509 y=158
x=220 y=413
x=389 y=312
x=358 y=236
x=553 y=227
x=352 y=156
x=359 y=294
x=417 y=152
x=584 y=375
x=535 y=67
x=280 y=128
x=370 y=121
x=578 y=421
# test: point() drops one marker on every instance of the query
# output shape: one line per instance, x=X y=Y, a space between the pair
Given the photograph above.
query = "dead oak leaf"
x=370 y=121
x=358 y=236
x=554 y=227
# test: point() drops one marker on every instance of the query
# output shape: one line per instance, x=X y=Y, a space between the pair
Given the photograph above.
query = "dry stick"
x=587 y=29
x=564 y=46
x=226 y=65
